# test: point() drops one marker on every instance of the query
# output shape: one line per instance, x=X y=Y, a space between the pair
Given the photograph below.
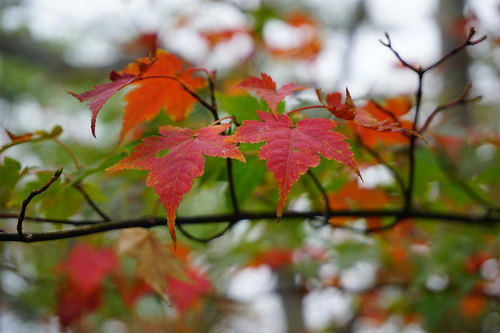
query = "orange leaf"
x=186 y=295
x=151 y=95
x=275 y=258
x=472 y=306
x=18 y=138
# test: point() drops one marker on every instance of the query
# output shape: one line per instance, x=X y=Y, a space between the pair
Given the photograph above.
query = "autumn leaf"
x=21 y=137
x=352 y=196
x=172 y=175
x=291 y=150
x=164 y=91
x=102 y=92
x=334 y=104
x=82 y=256
x=84 y=270
x=186 y=295
x=266 y=88
x=154 y=260
x=387 y=120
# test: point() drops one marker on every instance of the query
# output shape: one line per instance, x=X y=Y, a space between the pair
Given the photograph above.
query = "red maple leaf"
x=84 y=269
x=102 y=92
x=290 y=150
x=186 y=295
x=266 y=88
x=172 y=175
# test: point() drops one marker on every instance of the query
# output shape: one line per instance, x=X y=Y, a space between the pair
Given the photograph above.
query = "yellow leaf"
x=154 y=260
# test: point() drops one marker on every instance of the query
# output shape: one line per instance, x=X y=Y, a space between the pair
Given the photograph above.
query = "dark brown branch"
x=94 y=227
x=33 y=194
x=388 y=44
x=411 y=151
x=460 y=100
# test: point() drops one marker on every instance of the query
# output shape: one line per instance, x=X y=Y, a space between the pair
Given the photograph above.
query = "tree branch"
x=93 y=227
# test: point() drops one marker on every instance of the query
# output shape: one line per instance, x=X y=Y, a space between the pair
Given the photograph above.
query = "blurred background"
x=47 y=47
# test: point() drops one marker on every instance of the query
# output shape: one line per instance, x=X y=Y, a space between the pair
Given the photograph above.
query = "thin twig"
x=190 y=236
x=33 y=194
x=184 y=86
x=386 y=111
x=319 y=106
x=232 y=190
x=79 y=187
x=322 y=190
x=468 y=41
x=70 y=153
x=460 y=100
x=451 y=172
x=389 y=45
x=48 y=219
x=379 y=159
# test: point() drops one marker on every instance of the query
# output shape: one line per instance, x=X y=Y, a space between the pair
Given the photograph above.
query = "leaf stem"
x=185 y=87
x=319 y=106
x=79 y=187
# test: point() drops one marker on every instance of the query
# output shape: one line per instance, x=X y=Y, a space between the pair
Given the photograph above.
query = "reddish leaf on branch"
x=84 y=269
x=334 y=104
x=172 y=175
x=380 y=119
x=186 y=295
x=102 y=92
x=292 y=149
x=164 y=91
x=83 y=256
x=351 y=196
x=266 y=88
